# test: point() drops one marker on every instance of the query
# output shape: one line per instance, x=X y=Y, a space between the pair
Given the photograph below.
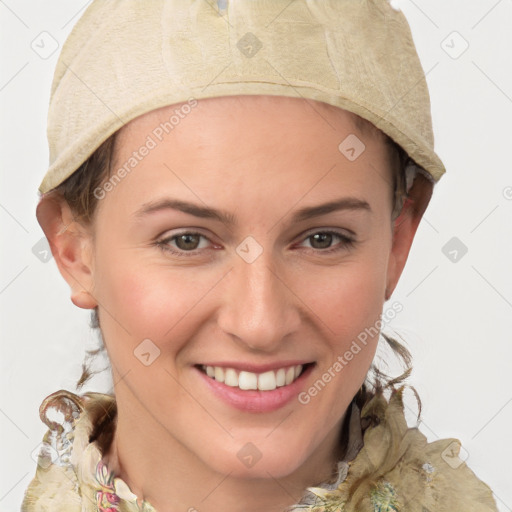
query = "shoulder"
x=67 y=457
x=398 y=470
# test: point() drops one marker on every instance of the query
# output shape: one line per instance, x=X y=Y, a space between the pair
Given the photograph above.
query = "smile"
x=266 y=381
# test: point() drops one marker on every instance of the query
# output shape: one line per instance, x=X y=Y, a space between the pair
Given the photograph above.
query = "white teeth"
x=230 y=378
x=290 y=375
x=219 y=374
x=247 y=380
x=280 y=377
x=266 y=381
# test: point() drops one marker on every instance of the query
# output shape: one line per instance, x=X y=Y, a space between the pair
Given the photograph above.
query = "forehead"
x=259 y=145
x=278 y=110
x=278 y=124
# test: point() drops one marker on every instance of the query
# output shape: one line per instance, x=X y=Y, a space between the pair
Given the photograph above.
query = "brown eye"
x=187 y=241
x=322 y=240
x=325 y=241
x=183 y=244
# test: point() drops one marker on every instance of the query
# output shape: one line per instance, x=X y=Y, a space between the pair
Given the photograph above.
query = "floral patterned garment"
x=388 y=466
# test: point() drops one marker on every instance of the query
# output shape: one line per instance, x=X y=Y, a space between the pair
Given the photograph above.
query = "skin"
x=176 y=444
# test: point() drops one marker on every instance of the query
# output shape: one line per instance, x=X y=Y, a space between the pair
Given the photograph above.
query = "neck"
x=160 y=470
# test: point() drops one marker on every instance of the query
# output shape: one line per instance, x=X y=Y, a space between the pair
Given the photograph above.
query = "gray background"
x=456 y=313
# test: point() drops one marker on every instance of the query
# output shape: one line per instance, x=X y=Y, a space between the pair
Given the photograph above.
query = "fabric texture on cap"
x=125 y=58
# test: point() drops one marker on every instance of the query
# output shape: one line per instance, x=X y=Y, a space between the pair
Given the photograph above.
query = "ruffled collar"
x=387 y=467
x=113 y=494
x=67 y=446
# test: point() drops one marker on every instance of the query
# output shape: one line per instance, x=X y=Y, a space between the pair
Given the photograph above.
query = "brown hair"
x=78 y=191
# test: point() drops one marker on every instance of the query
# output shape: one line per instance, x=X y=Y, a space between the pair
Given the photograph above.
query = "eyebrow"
x=308 y=212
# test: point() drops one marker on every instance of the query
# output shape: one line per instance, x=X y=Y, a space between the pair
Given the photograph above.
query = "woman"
x=236 y=209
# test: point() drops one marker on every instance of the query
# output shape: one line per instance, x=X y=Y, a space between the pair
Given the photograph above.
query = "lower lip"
x=254 y=400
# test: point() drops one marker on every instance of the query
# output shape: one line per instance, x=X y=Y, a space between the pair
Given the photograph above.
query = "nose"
x=259 y=310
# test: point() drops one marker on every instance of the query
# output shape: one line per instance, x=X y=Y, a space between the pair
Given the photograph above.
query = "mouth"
x=246 y=381
x=263 y=391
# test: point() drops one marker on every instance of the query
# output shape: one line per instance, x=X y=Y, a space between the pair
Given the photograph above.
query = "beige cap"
x=124 y=58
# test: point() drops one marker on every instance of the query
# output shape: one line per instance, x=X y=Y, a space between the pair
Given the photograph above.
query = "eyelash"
x=346 y=243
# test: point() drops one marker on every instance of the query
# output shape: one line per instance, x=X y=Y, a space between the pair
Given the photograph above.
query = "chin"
x=256 y=460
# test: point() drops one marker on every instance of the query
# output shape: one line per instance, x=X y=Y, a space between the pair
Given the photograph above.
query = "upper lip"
x=255 y=368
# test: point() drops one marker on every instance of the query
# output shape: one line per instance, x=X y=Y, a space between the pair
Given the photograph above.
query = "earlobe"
x=83 y=299
x=70 y=243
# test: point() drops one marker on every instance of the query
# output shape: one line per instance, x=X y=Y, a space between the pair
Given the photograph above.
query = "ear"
x=71 y=245
x=405 y=227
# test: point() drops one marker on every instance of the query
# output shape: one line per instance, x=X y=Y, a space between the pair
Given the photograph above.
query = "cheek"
x=135 y=294
x=144 y=298
x=348 y=305
x=348 y=297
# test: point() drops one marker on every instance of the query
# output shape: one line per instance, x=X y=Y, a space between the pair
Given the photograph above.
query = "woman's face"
x=243 y=243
